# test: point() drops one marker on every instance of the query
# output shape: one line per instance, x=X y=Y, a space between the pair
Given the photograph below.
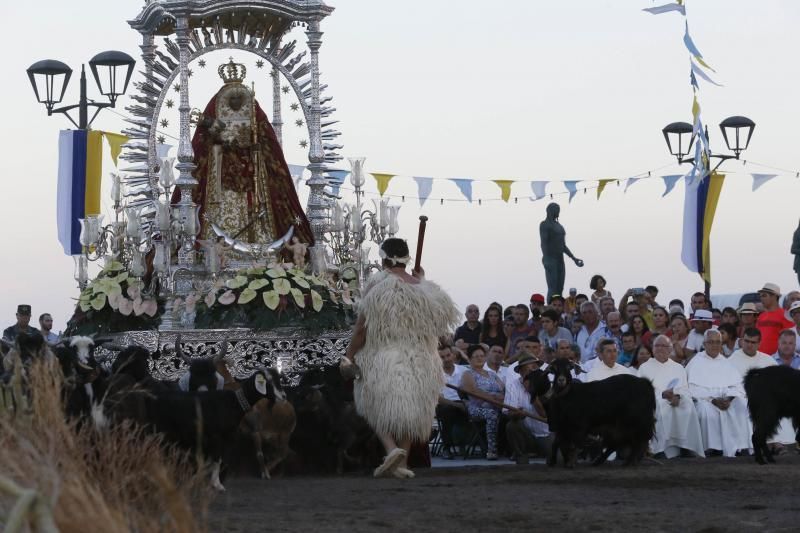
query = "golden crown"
x=231 y=72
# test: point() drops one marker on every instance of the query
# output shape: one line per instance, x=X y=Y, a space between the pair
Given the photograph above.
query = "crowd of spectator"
x=705 y=352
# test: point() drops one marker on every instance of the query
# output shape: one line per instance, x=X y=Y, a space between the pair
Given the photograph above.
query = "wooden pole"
x=423 y=223
x=496 y=403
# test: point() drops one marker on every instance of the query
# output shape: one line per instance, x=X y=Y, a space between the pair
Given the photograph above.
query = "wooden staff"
x=423 y=222
x=496 y=403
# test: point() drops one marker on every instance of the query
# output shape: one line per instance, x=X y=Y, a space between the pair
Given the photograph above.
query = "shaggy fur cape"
x=401 y=369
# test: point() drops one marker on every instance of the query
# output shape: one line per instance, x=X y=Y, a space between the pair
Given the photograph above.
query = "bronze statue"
x=796 y=251
x=554 y=246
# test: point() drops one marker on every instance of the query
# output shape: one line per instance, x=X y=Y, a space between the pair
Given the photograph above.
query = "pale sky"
x=524 y=89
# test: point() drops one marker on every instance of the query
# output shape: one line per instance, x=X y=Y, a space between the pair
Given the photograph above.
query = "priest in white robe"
x=747 y=358
x=716 y=386
x=677 y=425
x=606 y=365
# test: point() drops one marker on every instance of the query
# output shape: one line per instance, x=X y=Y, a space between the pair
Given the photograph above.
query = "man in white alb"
x=677 y=426
x=607 y=365
x=716 y=386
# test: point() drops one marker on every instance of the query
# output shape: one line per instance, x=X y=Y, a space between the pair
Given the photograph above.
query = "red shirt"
x=770 y=324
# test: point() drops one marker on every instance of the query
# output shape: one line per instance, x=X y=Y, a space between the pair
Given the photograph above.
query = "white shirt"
x=503 y=371
x=517 y=396
x=452 y=379
x=745 y=363
x=695 y=340
x=601 y=371
x=588 y=341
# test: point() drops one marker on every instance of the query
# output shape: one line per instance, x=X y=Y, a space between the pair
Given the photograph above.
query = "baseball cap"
x=24 y=309
x=794 y=307
x=536 y=297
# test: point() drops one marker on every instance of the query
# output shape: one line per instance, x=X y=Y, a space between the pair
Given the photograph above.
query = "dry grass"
x=116 y=480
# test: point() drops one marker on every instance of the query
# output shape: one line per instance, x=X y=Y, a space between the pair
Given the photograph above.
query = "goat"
x=772 y=394
x=621 y=409
x=202 y=374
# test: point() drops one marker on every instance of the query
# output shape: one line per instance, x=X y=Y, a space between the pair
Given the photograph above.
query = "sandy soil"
x=704 y=495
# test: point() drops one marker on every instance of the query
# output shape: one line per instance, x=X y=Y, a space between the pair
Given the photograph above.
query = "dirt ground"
x=703 y=495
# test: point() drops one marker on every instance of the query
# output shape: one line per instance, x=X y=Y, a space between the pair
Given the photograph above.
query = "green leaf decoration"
x=282 y=286
x=237 y=282
x=119 y=278
x=316 y=301
x=301 y=282
x=98 y=302
x=85 y=306
x=255 y=271
x=115 y=266
x=271 y=299
x=257 y=284
x=247 y=296
x=276 y=272
x=299 y=298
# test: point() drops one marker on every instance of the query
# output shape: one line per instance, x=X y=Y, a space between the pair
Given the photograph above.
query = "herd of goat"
x=211 y=412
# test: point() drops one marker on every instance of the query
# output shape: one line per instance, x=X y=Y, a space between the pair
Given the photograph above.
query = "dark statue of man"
x=796 y=251
x=554 y=246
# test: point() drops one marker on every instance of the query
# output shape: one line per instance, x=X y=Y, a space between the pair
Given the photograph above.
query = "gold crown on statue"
x=231 y=72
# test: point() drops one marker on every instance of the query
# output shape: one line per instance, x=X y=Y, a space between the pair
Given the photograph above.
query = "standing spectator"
x=629 y=310
x=525 y=433
x=643 y=354
x=476 y=379
x=607 y=365
x=729 y=316
x=786 y=355
x=773 y=319
x=660 y=325
x=494 y=362
x=721 y=406
x=652 y=292
x=591 y=332
x=450 y=411
x=557 y=305
x=679 y=304
x=701 y=322
x=22 y=325
x=606 y=305
x=521 y=328
x=794 y=314
x=642 y=306
x=614 y=328
x=628 y=352
x=579 y=301
x=748 y=314
x=492 y=333
x=598 y=285
x=729 y=339
x=680 y=335
x=639 y=328
x=536 y=306
x=470 y=331
x=46 y=326
x=529 y=345
x=748 y=356
x=570 y=304
x=551 y=332
x=699 y=301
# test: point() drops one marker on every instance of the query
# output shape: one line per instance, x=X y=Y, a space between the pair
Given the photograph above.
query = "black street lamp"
x=49 y=79
x=736 y=131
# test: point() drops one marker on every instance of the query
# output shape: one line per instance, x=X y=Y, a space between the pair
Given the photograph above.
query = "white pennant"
x=761 y=179
x=631 y=181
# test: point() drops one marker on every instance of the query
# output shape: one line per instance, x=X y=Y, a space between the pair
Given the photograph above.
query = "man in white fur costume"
x=400 y=319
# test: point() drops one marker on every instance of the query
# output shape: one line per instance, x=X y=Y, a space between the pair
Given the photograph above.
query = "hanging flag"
x=572 y=187
x=698 y=71
x=630 y=182
x=424 y=188
x=465 y=186
x=336 y=179
x=706 y=65
x=687 y=40
x=698 y=216
x=538 y=188
x=505 y=188
x=80 y=167
x=666 y=8
x=670 y=182
x=602 y=186
x=761 y=179
x=115 y=142
x=383 y=181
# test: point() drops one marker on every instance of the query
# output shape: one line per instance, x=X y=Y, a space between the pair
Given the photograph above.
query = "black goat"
x=772 y=393
x=85 y=382
x=621 y=409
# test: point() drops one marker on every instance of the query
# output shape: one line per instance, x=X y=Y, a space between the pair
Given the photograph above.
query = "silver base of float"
x=291 y=351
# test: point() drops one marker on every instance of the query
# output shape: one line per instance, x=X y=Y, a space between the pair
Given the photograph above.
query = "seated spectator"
x=677 y=425
x=729 y=340
x=642 y=355
x=576 y=325
x=606 y=305
x=716 y=316
x=628 y=352
x=721 y=405
x=536 y=307
x=790 y=298
x=570 y=303
x=607 y=365
x=521 y=328
x=680 y=335
x=660 y=325
x=551 y=332
x=557 y=305
x=676 y=303
x=494 y=362
x=530 y=345
x=643 y=306
x=470 y=331
x=486 y=382
x=698 y=301
x=748 y=314
x=786 y=354
x=591 y=332
x=524 y=434
x=450 y=411
x=638 y=327
x=772 y=321
x=729 y=316
x=701 y=322
x=508 y=312
x=492 y=333
x=580 y=300
x=598 y=285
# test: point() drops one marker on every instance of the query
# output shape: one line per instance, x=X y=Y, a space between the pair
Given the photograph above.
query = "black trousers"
x=450 y=416
x=522 y=441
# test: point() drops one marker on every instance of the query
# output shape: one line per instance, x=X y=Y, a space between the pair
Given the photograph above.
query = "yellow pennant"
x=602 y=186
x=505 y=188
x=383 y=181
x=695 y=108
x=115 y=142
x=700 y=60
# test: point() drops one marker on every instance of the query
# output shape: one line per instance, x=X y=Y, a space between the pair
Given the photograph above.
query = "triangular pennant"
x=761 y=179
x=687 y=40
x=698 y=71
x=538 y=188
x=382 y=181
x=630 y=182
x=572 y=187
x=602 y=186
x=666 y=8
x=115 y=142
x=670 y=182
x=465 y=186
x=505 y=188
x=424 y=188
x=706 y=65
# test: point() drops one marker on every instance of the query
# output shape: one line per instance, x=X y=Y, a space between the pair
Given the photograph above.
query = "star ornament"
x=170 y=104
x=304 y=144
x=201 y=63
x=189 y=72
x=299 y=122
x=177 y=87
x=259 y=64
x=285 y=89
x=164 y=123
x=162 y=139
x=295 y=106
